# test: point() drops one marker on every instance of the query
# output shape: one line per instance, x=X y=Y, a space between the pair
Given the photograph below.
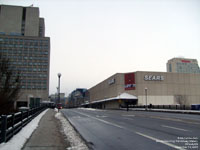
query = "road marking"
x=173 y=119
x=141 y=134
x=161 y=141
x=101 y=116
x=106 y=122
x=128 y=115
x=174 y=128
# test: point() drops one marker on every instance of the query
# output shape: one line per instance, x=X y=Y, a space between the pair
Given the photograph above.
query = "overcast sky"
x=94 y=39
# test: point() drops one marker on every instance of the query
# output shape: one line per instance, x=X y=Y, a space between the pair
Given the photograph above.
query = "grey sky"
x=94 y=39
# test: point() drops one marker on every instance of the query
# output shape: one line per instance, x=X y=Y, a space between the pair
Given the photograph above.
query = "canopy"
x=121 y=96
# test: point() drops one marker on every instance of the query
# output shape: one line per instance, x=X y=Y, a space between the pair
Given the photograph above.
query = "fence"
x=11 y=124
x=174 y=107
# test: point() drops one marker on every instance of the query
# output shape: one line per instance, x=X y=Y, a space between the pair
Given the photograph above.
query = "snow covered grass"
x=72 y=136
x=18 y=141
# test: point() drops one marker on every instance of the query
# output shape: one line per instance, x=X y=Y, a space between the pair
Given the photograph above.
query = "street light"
x=146 y=97
x=59 y=75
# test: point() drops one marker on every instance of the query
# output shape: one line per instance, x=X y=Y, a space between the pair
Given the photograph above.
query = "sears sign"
x=153 y=78
x=129 y=80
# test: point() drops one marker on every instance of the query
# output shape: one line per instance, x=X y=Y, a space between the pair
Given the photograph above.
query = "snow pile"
x=75 y=141
x=18 y=141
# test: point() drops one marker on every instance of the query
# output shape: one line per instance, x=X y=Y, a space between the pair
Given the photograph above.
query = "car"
x=59 y=106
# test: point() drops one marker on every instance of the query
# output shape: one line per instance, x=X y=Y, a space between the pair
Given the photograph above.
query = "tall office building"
x=23 y=41
x=183 y=65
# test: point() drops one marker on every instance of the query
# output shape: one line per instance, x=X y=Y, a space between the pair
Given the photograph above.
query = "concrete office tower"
x=183 y=65
x=23 y=41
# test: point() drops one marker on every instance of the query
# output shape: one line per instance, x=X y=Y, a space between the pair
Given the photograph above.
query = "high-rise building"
x=183 y=65
x=23 y=41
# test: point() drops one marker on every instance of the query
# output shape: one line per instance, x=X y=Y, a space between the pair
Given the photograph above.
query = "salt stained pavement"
x=17 y=142
x=72 y=136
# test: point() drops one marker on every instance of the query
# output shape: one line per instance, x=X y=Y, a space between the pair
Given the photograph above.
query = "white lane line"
x=106 y=122
x=171 y=119
x=128 y=115
x=174 y=128
x=98 y=116
x=149 y=137
x=161 y=141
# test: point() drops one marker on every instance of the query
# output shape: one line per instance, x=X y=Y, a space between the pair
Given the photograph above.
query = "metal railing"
x=11 y=124
x=173 y=107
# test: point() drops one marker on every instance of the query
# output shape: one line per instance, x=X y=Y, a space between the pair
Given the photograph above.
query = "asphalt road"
x=136 y=130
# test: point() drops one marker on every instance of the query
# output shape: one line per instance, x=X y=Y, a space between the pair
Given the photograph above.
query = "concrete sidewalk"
x=48 y=135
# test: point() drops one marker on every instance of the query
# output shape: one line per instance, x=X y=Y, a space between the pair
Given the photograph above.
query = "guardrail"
x=11 y=124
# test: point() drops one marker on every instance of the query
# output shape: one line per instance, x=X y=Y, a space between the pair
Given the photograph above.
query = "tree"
x=9 y=86
x=181 y=99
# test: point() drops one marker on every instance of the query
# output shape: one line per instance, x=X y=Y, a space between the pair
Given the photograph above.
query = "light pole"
x=59 y=75
x=146 y=97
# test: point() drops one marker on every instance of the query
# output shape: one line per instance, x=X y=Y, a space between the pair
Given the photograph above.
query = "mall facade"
x=145 y=88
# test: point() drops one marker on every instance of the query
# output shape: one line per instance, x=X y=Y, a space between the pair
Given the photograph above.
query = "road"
x=135 y=130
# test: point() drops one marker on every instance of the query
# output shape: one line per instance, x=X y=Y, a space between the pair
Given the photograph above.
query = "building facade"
x=23 y=42
x=141 y=88
x=77 y=97
x=55 y=98
x=183 y=65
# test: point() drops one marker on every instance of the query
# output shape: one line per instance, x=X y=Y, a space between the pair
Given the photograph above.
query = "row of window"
x=24 y=43
x=17 y=40
x=33 y=75
x=37 y=81
x=188 y=64
x=26 y=51
x=188 y=68
x=30 y=69
x=42 y=64
x=23 y=46
x=33 y=87
x=24 y=58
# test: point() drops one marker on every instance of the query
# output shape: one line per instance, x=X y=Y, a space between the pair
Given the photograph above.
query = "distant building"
x=183 y=65
x=54 y=98
x=23 y=41
x=78 y=97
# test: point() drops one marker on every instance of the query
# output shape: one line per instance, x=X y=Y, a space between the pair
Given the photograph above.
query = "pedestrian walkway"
x=48 y=135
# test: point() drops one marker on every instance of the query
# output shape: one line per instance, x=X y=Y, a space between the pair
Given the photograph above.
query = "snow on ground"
x=18 y=141
x=75 y=140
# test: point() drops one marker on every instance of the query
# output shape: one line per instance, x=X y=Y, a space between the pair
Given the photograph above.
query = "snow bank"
x=75 y=141
x=18 y=141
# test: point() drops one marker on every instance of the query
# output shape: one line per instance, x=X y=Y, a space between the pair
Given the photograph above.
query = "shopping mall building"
x=142 y=87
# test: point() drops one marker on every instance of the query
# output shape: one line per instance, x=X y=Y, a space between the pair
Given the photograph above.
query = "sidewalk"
x=48 y=135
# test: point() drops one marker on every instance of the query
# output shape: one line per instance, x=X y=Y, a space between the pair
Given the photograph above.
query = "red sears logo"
x=129 y=80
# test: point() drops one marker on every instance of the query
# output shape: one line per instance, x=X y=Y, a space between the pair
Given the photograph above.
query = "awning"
x=122 y=96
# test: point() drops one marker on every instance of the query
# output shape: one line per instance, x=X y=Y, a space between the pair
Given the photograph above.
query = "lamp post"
x=146 y=97
x=59 y=75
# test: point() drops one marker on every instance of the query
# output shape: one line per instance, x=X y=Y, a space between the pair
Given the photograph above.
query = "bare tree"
x=181 y=99
x=9 y=86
